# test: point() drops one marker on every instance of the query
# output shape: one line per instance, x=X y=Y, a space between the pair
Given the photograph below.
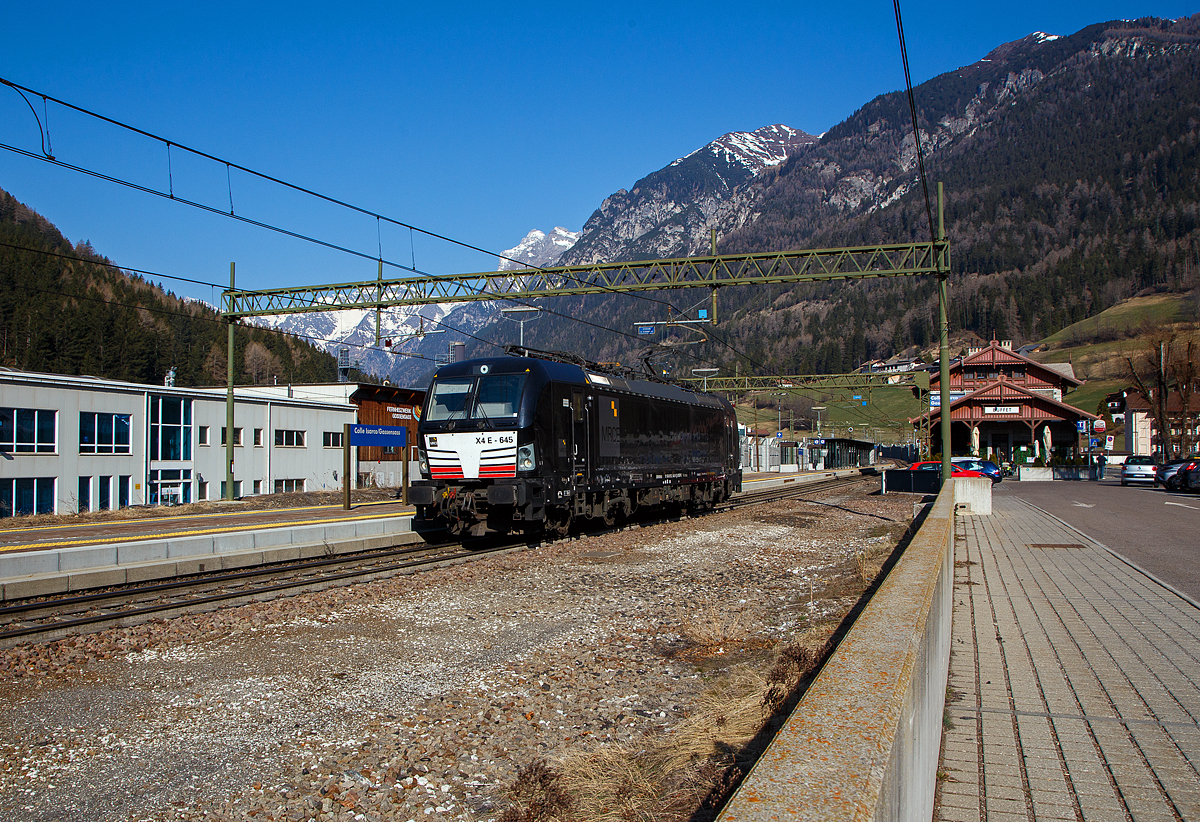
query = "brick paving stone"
x=1053 y=810
x=1081 y=668
x=949 y=799
x=1150 y=812
x=1116 y=814
x=952 y=814
x=1005 y=804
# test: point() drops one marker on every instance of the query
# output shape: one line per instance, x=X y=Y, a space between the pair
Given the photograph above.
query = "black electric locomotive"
x=535 y=442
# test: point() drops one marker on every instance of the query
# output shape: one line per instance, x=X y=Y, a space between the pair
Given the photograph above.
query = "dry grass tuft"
x=684 y=774
x=712 y=630
x=537 y=795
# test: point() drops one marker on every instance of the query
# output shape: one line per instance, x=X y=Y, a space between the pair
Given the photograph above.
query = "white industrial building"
x=71 y=444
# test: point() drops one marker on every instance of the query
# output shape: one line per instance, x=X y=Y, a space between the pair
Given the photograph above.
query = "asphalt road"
x=1157 y=531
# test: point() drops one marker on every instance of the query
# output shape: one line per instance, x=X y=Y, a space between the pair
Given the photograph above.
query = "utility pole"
x=229 y=403
x=943 y=277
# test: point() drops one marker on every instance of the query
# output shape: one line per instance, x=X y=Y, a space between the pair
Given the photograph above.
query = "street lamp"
x=818 y=409
x=525 y=309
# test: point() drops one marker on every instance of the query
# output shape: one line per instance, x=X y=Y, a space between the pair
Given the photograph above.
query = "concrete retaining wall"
x=863 y=743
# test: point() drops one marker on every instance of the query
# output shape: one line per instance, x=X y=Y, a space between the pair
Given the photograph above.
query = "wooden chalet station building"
x=1007 y=407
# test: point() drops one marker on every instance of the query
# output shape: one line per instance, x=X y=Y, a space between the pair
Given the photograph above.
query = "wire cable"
x=912 y=108
x=300 y=189
x=333 y=246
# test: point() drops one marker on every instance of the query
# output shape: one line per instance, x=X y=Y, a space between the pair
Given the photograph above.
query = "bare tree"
x=261 y=364
x=1184 y=372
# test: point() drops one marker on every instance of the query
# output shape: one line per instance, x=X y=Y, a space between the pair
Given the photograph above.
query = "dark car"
x=1188 y=476
x=1170 y=475
x=986 y=467
x=1139 y=469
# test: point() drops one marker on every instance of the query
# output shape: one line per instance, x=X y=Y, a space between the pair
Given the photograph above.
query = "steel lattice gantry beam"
x=899 y=260
x=816 y=382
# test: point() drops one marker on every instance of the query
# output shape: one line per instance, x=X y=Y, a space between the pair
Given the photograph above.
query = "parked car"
x=1189 y=480
x=986 y=467
x=1139 y=469
x=1171 y=474
x=956 y=471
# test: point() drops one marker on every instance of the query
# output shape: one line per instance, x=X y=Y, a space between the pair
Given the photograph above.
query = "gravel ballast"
x=420 y=697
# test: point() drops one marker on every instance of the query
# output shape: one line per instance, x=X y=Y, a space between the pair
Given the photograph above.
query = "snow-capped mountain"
x=539 y=249
x=671 y=212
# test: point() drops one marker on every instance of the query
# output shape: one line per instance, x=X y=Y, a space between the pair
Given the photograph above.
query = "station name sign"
x=394 y=436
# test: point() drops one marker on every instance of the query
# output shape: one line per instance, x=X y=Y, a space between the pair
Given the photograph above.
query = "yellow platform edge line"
x=173 y=534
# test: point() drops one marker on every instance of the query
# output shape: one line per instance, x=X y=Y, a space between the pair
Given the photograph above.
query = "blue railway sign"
x=395 y=436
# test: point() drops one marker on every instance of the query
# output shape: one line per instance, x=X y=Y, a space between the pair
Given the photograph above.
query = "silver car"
x=1139 y=469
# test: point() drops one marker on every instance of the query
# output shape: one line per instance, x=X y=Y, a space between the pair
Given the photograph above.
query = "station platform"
x=1074 y=689
x=61 y=558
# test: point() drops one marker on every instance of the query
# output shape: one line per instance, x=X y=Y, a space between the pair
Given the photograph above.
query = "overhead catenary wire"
x=912 y=108
x=147 y=273
x=309 y=192
x=297 y=235
x=294 y=187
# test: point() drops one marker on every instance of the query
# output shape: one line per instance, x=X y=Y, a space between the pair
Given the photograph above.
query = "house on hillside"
x=1006 y=407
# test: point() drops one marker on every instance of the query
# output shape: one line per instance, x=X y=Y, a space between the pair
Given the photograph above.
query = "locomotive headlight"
x=526 y=461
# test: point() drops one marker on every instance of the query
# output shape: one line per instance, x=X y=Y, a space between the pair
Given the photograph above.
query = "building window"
x=26 y=495
x=170 y=486
x=104 y=433
x=258 y=484
x=237 y=437
x=123 y=491
x=289 y=439
x=104 y=494
x=332 y=439
x=237 y=489
x=28 y=430
x=201 y=490
x=85 y=495
x=202 y=433
x=170 y=428
x=287 y=486
x=258 y=437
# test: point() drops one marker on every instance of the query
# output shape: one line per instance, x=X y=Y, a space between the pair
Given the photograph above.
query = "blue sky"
x=476 y=121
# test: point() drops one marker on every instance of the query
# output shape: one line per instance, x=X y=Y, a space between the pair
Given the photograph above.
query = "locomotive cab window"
x=491 y=397
x=499 y=395
x=448 y=399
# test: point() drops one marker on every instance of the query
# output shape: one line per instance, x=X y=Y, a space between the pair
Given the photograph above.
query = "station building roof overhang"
x=1031 y=407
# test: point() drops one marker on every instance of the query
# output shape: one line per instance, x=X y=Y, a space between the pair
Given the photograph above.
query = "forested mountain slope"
x=1072 y=172
x=64 y=316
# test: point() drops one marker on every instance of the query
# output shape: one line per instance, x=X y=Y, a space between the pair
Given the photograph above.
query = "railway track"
x=795 y=491
x=48 y=618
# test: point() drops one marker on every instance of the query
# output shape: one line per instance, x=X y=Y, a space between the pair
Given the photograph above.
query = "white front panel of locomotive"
x=472 y=455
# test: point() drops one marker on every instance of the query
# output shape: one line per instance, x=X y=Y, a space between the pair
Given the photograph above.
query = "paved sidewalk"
x=1074 y=680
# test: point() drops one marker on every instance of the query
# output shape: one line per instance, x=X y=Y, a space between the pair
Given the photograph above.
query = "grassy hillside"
x=1098 y=346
